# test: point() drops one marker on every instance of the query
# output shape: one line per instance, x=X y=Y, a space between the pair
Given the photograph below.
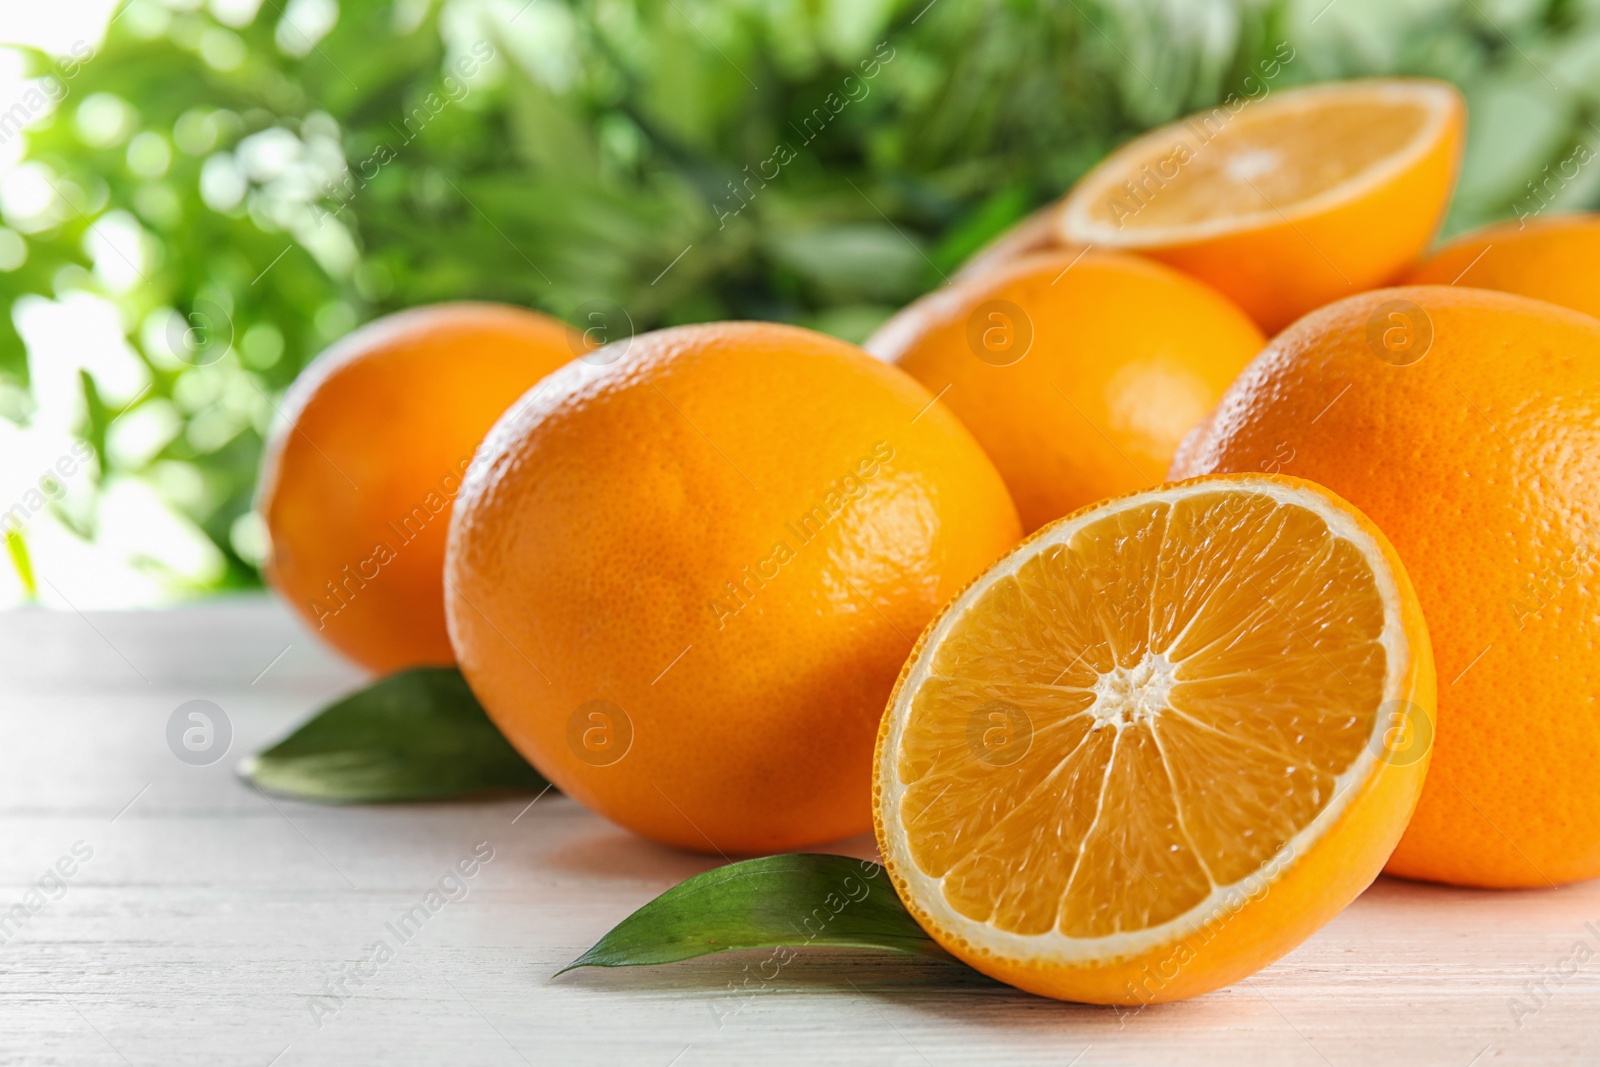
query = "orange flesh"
x=1195 y=675
x=1252 y=162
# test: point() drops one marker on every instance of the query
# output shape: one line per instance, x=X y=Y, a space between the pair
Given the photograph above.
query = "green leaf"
x=17 y=549
x=990 y=219
x=99 y=419
x=797 y=900
x=416 y=735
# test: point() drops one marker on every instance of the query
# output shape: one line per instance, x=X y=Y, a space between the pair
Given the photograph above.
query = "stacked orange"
x=720 y=540
x=361 y=474
x=1163 y=740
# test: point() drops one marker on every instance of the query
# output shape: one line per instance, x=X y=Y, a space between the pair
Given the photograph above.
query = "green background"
x=600 y=140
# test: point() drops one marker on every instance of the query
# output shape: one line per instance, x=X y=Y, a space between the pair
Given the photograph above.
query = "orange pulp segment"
x=1190 y=721
x=1286 y=202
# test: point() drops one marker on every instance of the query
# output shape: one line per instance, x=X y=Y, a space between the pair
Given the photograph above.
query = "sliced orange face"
x=1159 y=744
x=1285 y=201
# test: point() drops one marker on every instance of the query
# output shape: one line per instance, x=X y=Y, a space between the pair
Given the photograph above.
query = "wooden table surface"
x=202 y=923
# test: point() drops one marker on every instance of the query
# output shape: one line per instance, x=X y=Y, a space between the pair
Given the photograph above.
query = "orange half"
x=1287 y=201
x=1159 y=744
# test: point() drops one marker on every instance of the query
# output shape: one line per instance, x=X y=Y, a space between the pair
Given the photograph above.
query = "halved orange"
x=1285 y=202
x=1159 y=744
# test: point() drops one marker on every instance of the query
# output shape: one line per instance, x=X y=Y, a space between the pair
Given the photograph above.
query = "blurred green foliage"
x=294 y=170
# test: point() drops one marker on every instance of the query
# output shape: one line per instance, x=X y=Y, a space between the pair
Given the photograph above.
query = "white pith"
x=1122 y=697
x=1080 y=225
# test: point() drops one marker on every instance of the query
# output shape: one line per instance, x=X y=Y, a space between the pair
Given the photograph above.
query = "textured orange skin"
x=1551 y=258
x=1280 y=271
x=387 y=416
x=1117 y=338
x=1306 y=896
x=605 y=513
x=1482 y=463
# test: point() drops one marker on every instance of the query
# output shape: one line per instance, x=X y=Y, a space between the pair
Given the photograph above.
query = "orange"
x=1550 y=259
x=682 y=582
x=1466 y=424
x=357 y=483
x=1038 y=232
x=1161 y=743
x=1287 y=202
x=1079 y=373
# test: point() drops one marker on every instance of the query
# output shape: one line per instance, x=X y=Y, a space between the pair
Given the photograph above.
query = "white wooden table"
x=209 y=925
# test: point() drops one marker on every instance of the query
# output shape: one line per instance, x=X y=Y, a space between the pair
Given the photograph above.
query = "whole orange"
x=1549 y=259
x=1078 y=372
x=358 y=479
x=1466 y=424
x=682 y=582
